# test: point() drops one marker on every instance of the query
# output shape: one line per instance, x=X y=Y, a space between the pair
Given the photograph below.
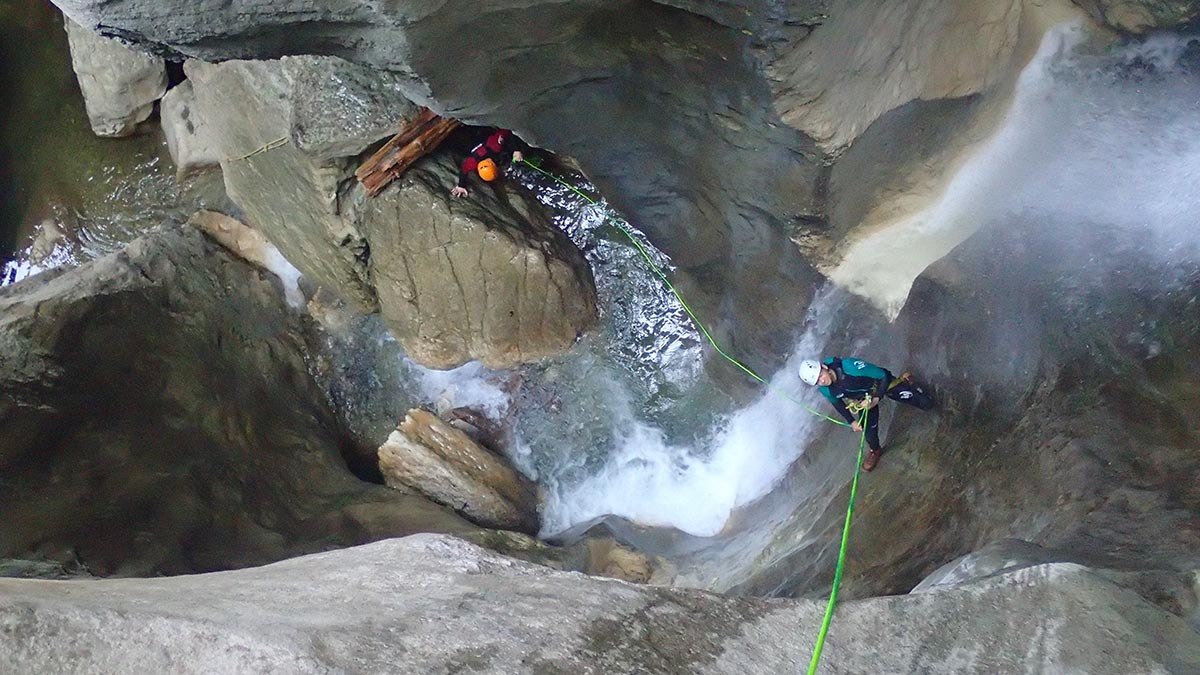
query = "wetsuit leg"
x=911 y=393
x=873 y=428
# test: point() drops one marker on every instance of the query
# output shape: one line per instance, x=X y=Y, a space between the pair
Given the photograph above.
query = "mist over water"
x=1103 y=135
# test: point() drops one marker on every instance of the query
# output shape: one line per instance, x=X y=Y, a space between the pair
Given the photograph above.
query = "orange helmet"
x=487 y=170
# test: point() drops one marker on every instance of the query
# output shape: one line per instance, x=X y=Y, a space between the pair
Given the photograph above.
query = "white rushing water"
x=1107 y=137
x=628 y=423
x=1096 y=138
x=652 y=481
x=882 y=267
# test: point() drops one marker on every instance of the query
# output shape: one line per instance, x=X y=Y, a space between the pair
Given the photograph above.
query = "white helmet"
x=809 y=371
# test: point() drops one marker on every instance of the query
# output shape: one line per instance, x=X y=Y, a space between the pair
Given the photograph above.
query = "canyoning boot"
x=871 y=459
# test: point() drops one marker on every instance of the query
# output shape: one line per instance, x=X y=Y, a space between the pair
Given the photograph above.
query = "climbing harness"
x=837 y=575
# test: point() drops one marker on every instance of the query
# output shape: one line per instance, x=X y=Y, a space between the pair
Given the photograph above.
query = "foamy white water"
x=644 y=477
x=696 y=489
x=1087 y=148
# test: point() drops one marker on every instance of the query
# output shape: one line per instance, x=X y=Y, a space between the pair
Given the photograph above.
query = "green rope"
x=695 y=319
x=841 y=561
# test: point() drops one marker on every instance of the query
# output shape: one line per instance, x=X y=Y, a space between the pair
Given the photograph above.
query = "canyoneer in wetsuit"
x=501 y=147
x=854 y=385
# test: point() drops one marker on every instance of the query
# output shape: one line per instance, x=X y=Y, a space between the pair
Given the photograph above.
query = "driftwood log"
x=423 y=134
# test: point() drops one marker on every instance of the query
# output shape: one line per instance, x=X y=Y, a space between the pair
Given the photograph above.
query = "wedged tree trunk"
x=415 y=140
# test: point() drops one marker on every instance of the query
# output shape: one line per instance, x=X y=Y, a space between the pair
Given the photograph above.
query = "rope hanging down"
x=696 y=320
x=841 y=560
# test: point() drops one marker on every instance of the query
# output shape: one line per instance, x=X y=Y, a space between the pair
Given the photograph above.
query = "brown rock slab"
x=429 y=455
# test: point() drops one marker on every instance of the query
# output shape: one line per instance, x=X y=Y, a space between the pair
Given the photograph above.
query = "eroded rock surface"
x=488 y=278
x=837 y=80
x=157 y=417
x=663 y=109
x=189 y=138
x=383 y=607
x=288 y=194
x=428 y=455
x=119 y=84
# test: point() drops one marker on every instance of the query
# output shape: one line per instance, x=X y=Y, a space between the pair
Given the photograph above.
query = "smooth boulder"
x=432 y=457
x=119 y=84
x=434 y=604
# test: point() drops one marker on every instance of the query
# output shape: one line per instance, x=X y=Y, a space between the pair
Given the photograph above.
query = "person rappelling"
x=500 y=148
x=854 y=385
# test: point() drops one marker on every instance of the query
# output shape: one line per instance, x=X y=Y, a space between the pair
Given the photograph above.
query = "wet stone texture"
x=1066 y=396
x=429 y=604
x=157 y=417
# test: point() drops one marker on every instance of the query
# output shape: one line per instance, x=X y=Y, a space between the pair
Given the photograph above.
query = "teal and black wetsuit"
x=856 y=379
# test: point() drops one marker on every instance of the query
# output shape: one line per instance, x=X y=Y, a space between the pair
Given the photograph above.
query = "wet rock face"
x=287 y=193
x=486 y=278
x=119 y=84
x=383 y=607
x=836 y=82
x=661 y=107
x=157 y=417
x=430 y=456
x=1142 y=16
x=1066 y=417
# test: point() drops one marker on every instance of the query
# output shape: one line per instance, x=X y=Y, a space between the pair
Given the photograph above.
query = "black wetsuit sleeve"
x=513 y=144
x=463 y=172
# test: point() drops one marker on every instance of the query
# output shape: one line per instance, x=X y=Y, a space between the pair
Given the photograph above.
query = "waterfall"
x=1107 y=137
x=1095 y=139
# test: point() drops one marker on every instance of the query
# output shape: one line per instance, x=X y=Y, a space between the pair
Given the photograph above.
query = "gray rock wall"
x=839 y=80
x=430 y=604
x=288 y=195
x=486 y=278
x=157 y=416
x=662 y=108
x=119 y=84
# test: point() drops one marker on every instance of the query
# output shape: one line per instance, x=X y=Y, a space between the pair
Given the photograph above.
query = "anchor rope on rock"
x=841 y=560
x=262 y=148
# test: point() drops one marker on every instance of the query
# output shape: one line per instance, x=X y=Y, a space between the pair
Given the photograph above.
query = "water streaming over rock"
x=629 y=423
x=1103 y=143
